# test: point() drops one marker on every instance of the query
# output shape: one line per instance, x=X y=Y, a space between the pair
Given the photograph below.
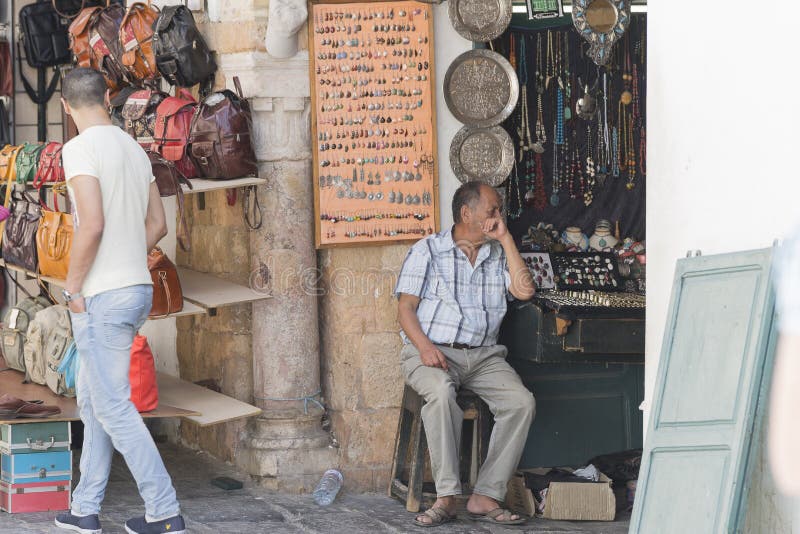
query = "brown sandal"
x=438 y=515
x=491 y=517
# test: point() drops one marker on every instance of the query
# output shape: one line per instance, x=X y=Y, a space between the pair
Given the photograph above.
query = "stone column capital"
x=263 y=76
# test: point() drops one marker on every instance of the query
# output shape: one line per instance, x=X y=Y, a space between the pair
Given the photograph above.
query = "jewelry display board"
x=373 y=122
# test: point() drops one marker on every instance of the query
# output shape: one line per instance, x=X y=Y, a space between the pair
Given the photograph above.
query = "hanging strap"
x=37 y=97
x=253 y=218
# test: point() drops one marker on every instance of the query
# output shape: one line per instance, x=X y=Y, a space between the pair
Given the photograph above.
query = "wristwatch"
x=69 y=297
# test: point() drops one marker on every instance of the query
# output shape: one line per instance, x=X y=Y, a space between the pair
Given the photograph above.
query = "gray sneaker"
x=89 y=524
x=171 y=525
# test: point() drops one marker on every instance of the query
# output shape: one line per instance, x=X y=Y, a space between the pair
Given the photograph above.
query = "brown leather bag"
x=220 y=140
x=136 y=39
x=139 y=115
x=53 y=243
x=167 y=294
x=169 y=181
x=79 y=35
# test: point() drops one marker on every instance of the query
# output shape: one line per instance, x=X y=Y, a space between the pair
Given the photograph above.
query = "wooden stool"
x=411 y=447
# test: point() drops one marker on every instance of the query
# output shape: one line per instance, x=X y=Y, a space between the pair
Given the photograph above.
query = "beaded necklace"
x=559 y=129
x=541 y=136
x=514 y=184
x=588 y=195
x=555 y=174
x=524 y=130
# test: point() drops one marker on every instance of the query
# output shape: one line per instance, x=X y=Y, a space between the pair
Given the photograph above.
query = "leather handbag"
x=169 y=181
x=50 y=169
x=139 y=115
x=79 y=36
x=53 y=243
x=28 y=162
x=44 y=35
x=173 y=122
x=94 y=40
x=19 y=235
x=221 y=136
x=142 y=375
x=182 y=55
x=167 y=294
x=136 y=40
x=8 y=163
x=117 y=103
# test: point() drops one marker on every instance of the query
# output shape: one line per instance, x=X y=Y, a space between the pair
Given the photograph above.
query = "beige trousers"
x=485 y=372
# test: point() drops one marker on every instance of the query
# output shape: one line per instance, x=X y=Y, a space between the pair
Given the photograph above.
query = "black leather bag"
x=19 y=236
x=43 y=27
x=182 y=55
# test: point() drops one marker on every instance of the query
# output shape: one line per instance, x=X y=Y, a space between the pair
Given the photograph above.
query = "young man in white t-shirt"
x=118 y=219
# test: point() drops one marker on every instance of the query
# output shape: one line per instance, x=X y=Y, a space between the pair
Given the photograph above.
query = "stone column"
x=286 y=445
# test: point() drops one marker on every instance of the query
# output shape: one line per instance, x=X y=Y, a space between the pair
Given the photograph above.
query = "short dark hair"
x=469 y=194
x=83 y=87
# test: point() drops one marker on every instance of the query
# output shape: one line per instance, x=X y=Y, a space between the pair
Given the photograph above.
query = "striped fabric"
x=459 y=302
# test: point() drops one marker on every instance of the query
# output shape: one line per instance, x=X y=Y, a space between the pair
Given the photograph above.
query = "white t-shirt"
x=124 y=172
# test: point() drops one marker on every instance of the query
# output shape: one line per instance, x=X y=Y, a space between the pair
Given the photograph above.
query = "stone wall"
x=361 y=377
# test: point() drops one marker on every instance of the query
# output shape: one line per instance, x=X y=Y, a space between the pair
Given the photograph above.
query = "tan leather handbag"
x=53 y=243
x=8 y=163
x=167 y=294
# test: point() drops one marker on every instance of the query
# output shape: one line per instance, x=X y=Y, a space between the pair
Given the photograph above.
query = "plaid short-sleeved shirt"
x=459 y=302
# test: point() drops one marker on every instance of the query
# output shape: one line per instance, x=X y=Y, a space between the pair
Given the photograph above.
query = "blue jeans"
x=104 y=335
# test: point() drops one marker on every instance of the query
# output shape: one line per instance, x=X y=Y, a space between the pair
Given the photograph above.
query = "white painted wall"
x=448 y=45
x=721 y=157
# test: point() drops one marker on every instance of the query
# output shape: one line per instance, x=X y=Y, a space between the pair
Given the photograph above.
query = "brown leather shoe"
x=13 y=408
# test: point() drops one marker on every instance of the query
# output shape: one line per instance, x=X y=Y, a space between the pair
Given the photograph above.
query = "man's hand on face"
x=433 y=357
x=494 y=228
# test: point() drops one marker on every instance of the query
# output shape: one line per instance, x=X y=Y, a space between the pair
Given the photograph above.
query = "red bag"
x=50 y=169
x=173 y=123
x=144 y=388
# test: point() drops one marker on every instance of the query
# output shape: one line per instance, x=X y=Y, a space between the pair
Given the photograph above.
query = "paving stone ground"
x=210 y=510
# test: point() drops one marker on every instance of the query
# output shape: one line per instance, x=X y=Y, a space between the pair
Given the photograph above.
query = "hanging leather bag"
x=169 y=181
x=173 y=122
x=8 y=163
x=28 y=162
x=53 y=243
x=136 y=40
x=182 y=55
x=50 y=169
x=142 y=375
x=79 y=36
x=221 y=136
x=44 y=35
x=19 y=235
x=167 y=294
x=139 y=115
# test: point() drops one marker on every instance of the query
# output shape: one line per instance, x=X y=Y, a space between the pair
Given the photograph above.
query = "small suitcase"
x=36 y=467
x=35 y=437
x=35 y=496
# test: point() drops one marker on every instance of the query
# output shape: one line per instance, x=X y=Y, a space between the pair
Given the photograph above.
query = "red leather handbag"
x=50 y=169
x=173 y=124
x=144 y=388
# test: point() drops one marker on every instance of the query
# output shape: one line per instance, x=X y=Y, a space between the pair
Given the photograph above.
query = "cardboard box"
x=575 y=501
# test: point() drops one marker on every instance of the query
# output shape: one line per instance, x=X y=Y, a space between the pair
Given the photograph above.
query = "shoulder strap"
x=167 y=14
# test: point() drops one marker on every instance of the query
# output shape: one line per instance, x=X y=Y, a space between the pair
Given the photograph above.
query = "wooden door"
x=716 y=358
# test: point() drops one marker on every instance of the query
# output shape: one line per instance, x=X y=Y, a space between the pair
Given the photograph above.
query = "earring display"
x=373 y=122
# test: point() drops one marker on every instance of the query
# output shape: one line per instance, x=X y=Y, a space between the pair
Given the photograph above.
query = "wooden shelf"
x=189 y=308
x=202 y=185
x=214 y=407
x=210 y=292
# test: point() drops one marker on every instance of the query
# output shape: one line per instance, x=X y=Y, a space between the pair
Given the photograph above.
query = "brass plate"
x=480 y=20
x=482 y=154
x=481 y=88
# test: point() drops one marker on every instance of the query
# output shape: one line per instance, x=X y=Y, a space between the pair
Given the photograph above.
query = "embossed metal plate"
x=481 y=88
x=482 y=154
x=480 y=20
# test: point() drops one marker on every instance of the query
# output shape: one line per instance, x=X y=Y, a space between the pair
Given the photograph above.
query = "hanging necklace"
x=540 y=195
x=639 y=122
x=614 y=152
x=541 y=137
x=588 y=195
x=556 y=169
x=524 y=130
x=511 y=55
x=559 y=129
x=513 y=186
x=567 y=79
x=550 y=70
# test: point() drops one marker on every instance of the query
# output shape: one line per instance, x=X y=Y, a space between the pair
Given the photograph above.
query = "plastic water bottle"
x=329 y=485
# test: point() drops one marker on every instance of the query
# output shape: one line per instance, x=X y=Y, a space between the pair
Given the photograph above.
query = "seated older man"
x=453 y=290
